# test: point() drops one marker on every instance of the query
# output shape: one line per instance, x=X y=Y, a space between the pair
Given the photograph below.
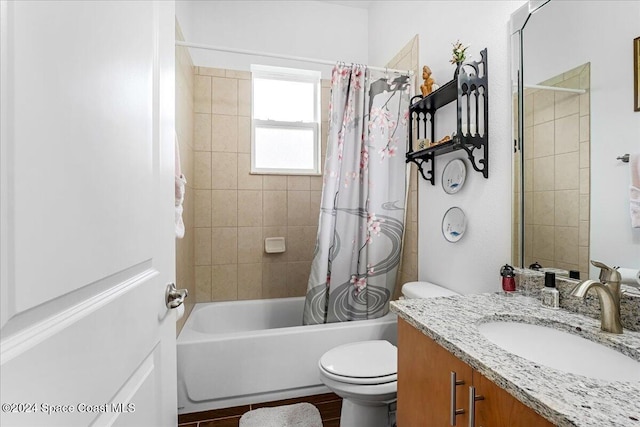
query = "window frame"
x=290 y=75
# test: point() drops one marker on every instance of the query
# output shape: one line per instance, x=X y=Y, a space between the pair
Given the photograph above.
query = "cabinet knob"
x=454 y=411
x=472 y=405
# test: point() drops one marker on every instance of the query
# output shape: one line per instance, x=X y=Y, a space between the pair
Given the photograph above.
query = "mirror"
x=573 y=116
x=556 y=170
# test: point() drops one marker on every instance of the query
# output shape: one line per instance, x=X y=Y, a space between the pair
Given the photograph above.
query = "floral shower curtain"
x=363 y=198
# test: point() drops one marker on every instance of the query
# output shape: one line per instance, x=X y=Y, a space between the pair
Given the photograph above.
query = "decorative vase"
x=457 y=71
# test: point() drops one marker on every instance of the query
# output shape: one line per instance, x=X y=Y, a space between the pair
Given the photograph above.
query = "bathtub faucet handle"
x=175 y=297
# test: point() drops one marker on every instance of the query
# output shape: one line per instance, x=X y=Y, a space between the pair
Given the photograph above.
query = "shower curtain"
x=358 y=248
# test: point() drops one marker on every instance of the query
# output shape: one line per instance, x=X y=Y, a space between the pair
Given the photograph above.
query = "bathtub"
x=242 y=352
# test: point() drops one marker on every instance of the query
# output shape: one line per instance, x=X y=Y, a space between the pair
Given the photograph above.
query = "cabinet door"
x=424 y=381
x=500 y=409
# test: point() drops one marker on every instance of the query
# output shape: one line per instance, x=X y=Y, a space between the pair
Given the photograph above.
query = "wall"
x=472 y=264
x=557 y=173
x=235 y=211
x=185 y=271
x=300 y=28
x=615 y=127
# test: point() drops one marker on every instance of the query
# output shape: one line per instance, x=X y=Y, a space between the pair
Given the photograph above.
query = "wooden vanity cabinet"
x=425 y=389
x=500 y=409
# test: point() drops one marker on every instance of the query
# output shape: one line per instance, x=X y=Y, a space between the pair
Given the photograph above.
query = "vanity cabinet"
x=430 y=378
x=470 y=91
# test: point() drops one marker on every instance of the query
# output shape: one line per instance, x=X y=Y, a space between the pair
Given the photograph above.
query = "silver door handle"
x=472 y=405
x=174 y=297
x=454 y=412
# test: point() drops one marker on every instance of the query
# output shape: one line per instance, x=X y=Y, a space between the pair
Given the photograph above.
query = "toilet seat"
x=364 y=362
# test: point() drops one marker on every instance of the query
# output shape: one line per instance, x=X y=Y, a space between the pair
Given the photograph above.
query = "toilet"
x=364 y=373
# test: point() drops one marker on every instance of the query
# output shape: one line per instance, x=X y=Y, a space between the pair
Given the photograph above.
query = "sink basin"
x=562 y=351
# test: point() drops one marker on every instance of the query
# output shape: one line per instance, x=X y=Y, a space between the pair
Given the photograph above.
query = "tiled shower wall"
x=235 y=211
x=184 y=133
x=557 y=173
x=407 y=59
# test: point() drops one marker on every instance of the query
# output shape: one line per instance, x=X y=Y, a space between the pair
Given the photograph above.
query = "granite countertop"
x=563 y=398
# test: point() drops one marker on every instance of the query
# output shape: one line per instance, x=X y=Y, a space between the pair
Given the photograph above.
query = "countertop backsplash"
x=530 y=282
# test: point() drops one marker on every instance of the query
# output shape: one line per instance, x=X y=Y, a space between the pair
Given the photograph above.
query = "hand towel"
x=634 y=190
x=180 y=185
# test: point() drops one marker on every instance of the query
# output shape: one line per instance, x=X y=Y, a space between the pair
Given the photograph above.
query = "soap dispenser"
x=535 y=266
x=550 y=295
x=508 y=280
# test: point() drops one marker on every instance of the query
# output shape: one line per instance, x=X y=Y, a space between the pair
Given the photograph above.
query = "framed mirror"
x=573 y=117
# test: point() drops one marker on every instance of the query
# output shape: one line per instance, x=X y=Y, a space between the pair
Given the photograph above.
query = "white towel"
x=180 y=182
x=634 y=190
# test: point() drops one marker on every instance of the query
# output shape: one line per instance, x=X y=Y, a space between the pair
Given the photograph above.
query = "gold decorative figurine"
x=427 y=87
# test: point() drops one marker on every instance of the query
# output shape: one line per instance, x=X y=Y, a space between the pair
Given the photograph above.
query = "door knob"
x=174 y=297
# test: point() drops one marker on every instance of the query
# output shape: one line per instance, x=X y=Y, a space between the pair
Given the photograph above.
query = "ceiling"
x=362 y=4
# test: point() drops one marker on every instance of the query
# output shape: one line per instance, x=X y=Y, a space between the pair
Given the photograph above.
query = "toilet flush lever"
x=174 y=297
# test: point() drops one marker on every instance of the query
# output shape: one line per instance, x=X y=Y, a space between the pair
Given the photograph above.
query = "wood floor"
x=329 y=405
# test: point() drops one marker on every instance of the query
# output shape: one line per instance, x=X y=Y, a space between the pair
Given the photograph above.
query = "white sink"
x=561 y=350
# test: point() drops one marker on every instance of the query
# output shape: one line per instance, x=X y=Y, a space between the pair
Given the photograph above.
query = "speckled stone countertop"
x=563 y=398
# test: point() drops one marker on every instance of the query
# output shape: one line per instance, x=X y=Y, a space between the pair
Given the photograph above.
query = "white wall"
x=563 y=35
x=472 y=264
x=311 y=29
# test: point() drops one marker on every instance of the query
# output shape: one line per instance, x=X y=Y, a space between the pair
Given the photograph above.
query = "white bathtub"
x=241 y=352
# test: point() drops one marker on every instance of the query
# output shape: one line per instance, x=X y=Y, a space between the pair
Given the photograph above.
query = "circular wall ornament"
x=453 y=176
x=454 y=224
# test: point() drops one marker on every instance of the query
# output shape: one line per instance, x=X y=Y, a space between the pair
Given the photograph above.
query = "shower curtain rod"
x=557 y=89
x=274 y=55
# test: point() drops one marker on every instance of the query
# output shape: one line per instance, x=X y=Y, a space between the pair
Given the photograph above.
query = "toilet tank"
x=412 y=290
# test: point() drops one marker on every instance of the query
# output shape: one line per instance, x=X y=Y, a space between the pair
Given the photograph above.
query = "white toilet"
x=364 y=373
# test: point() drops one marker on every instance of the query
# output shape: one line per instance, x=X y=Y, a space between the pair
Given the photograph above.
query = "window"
x=285 y=121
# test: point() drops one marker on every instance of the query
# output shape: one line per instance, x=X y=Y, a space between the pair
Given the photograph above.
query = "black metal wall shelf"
x=469 y=89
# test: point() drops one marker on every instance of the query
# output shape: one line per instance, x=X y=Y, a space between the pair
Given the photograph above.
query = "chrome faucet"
x=608 y=290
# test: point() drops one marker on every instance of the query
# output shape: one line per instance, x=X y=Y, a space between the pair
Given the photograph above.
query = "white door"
x=87 y=244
